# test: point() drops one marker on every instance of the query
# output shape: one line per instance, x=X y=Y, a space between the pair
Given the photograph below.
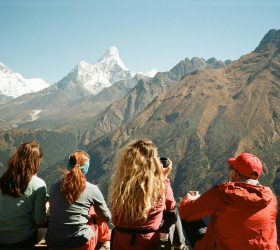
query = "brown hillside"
x=209 y=116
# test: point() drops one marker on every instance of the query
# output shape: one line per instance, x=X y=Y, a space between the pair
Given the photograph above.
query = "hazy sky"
x=47 y=38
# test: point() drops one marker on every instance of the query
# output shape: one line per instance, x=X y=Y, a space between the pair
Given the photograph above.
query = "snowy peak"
x=95 y=77
x=112 y=58
x=4 y=68
x=13 y=84
x=112 y=52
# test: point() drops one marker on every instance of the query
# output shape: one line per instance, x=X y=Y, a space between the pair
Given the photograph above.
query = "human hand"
x=193 y=195
x=167 y=169
x=48 y=208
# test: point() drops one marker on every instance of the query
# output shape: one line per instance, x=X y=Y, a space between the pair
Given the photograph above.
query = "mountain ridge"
x=197 y=118
x=238 y=102
x=141 y=95
x=205 y=118
x=14 y=85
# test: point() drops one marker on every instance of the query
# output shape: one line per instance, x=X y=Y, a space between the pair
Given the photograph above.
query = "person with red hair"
x=74 y=204
x=242 y=211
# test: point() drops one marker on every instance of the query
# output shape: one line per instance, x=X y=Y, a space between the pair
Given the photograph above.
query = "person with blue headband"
x=72 y=162
x=73 y=201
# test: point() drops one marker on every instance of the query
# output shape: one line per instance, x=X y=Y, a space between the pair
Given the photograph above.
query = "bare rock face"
x=271 y=41
x=188 y=66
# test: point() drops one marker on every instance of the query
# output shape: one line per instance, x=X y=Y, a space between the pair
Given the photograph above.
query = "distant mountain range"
x=84 y=81
x=86 y=91
x=199 y=113
x=93 y=77
x=13 y=84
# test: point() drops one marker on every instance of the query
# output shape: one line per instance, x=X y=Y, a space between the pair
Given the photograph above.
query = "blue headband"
x=84 y=168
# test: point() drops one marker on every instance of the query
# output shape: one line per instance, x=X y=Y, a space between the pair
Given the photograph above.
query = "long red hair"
x=73 y=182
x=23 y=164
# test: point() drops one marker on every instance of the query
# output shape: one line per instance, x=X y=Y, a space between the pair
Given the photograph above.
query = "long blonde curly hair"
x=137 y=182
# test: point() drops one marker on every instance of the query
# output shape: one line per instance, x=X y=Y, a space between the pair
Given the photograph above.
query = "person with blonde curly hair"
x=22 y=198
x=139 y=194
x=72 y=201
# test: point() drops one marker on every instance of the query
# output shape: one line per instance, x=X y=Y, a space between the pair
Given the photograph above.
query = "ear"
x=254 y=175
x=234 y=175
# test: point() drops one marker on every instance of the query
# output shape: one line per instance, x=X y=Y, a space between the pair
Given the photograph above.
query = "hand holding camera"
x=164 y=161
x=167 y=165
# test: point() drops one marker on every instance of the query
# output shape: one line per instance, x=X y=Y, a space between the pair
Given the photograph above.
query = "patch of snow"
x=35 y=114
x=150 y=73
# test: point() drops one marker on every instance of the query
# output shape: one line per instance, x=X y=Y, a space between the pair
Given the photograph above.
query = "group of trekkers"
x=238 y=214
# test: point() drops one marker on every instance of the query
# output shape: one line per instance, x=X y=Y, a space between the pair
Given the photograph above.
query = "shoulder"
x=91 y=187
x=37 y=181
x=225 y=186
x=224 y=189
x=93 y=191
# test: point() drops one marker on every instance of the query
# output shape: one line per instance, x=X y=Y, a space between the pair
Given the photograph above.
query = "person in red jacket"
x=242 y=211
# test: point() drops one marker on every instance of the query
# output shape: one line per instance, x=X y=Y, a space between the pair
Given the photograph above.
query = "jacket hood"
x=251 y=195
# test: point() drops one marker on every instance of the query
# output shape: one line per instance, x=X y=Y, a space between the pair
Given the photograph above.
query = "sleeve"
x=40 y=215
x=100 y=205
x=207 y=204
x=170 y=202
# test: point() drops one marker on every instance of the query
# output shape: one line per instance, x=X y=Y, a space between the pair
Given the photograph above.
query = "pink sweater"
x=148 y=241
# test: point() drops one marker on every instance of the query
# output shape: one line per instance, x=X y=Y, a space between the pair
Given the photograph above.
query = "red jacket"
x=243 y=216
x=122 y=240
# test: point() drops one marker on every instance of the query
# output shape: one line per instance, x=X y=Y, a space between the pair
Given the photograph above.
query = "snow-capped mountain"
x=95 y=77
x=14 y=85
x=88 y=87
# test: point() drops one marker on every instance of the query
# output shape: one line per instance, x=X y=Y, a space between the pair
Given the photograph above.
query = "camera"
x=164 y=161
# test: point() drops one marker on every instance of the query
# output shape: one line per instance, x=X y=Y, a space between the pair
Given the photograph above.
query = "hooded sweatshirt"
x=243 y=216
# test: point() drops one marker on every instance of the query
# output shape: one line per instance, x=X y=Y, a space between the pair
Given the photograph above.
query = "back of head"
x=23 y=164
x=137 y=181
x=73 y=182
x=247 y=165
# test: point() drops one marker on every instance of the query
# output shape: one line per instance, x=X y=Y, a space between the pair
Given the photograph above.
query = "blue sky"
x=47 y=38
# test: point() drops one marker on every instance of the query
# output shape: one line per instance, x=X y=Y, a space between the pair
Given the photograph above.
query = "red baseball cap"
x=247 y=165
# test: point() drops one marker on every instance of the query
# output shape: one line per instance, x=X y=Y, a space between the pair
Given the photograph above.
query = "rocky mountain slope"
x=126 y=108
x=205 y=118
x=199 y=114
x=73 y=105
x=54 y=145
